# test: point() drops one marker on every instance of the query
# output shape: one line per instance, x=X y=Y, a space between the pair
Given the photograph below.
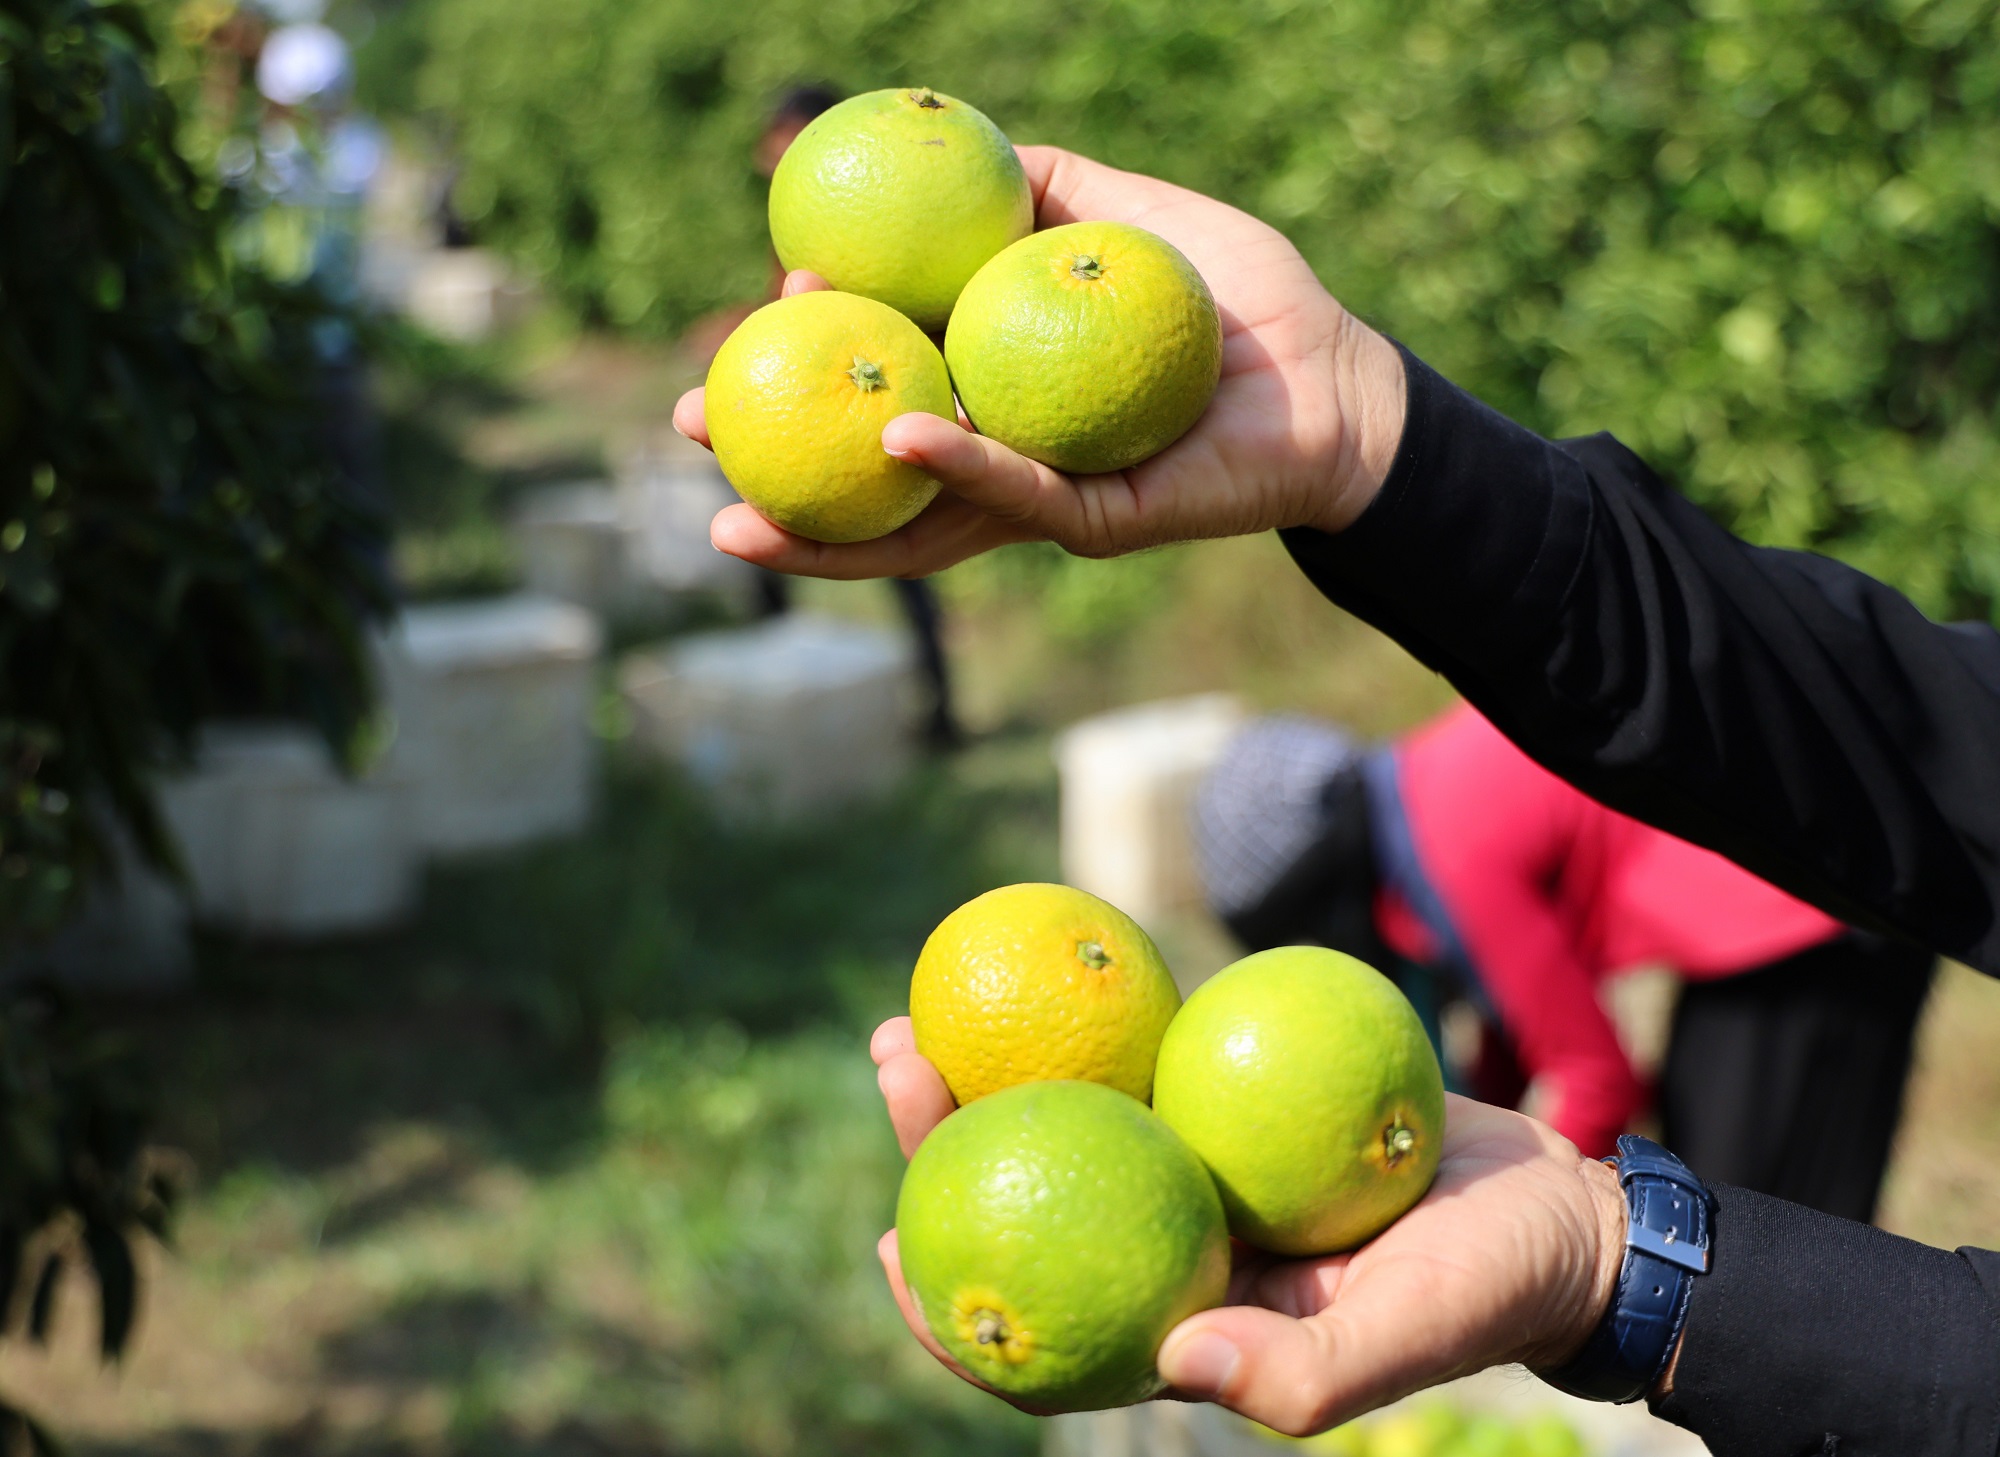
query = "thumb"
x=1273 y=1368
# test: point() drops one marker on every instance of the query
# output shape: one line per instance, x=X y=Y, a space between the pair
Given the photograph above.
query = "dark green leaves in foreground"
x=173 y=542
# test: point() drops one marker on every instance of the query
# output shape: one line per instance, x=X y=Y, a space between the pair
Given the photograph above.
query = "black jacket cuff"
x=1431 y=555
x=1814 y=1334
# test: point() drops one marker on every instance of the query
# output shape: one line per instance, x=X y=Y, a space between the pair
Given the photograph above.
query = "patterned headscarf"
x=1280 y=807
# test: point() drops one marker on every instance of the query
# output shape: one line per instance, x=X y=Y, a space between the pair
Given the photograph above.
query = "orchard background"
x=586 y=1160
x=1759 y=240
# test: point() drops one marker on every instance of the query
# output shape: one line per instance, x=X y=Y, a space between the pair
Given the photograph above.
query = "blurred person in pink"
x=1453 y=852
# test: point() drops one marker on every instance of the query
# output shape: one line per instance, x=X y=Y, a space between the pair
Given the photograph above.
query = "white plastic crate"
x=278 y=843
x=1182 y=1429
x=779 y=719
x=573 y=545
x=131 y=933
x=1128 y=781
x=668 y=493
x=492 y=701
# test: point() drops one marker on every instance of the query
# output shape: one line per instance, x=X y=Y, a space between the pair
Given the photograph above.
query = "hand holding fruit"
x=1300 y=431
x=1512 y=1255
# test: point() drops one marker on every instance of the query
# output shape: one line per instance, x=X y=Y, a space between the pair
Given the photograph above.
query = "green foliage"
x=173 y=542
x=1755 y=238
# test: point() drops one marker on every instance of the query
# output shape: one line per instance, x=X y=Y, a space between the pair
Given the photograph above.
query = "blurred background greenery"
x=587 y=1160
x=1754 y=238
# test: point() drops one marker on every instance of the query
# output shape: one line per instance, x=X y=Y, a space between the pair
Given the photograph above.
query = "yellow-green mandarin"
x=1304 y=1080
x=1035 y=982
x=797 y=398
x=900 y=196
x=1088 y=347
x=1052 y=1235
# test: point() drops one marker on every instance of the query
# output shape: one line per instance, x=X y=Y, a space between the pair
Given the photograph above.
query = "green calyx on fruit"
x=1399 y=1141
x=1086 y=267
x=927 y=99
x=1093 y=955
x=867 y=375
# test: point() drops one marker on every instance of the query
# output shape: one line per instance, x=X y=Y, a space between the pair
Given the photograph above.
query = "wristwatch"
x=1667 y=1233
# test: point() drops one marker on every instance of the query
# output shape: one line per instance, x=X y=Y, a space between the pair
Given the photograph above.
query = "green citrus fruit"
x=1088 y=347
x=1052 y=1235
x=1031 y=983
x=899 y=196
x=1305 y=1081
x=797 y=398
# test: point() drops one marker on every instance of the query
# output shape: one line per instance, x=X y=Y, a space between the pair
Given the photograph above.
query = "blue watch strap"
x=1666 y=1246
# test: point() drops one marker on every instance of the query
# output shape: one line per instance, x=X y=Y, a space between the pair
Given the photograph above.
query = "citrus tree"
x=173 y=546
x=1758 y=239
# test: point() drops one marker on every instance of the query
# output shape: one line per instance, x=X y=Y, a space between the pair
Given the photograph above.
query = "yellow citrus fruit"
x=1306 y=1083
x=900 y=196
x=797 y=398
x=1052 y=1235
x=1034 y=982
x=1088 y=347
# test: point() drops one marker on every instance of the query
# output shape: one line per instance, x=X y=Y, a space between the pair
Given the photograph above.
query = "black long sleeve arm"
x=1793 y=714
x=1801 y=718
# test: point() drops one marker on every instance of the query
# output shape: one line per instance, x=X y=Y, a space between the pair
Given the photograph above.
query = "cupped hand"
x=1301 y=431
x=1513 y=1255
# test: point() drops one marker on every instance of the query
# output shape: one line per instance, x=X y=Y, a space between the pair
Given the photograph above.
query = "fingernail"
x=1202 y=1364
x=680 y=432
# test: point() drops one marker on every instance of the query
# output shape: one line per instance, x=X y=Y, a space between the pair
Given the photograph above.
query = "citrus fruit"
x=1034 y=982
x=1305 y=1081
x=900 y=196
x=1052 y=1235
x=797 y=398
x=1087 y=347
x=1420 y=1431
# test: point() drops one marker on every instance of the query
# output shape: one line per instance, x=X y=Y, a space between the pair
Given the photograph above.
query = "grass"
x=588 y=1160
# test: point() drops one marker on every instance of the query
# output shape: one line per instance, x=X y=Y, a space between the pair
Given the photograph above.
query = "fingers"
x=948 y=531
x=1270 y=1367
x=1009 y=487
x=803 y=280
x=893 y=1037
x=917 y=1097
x=691 y=417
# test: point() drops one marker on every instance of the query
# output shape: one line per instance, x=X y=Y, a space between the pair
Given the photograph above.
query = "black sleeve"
x=1799 y=717
x=1813 y=1335
x=1786 y=710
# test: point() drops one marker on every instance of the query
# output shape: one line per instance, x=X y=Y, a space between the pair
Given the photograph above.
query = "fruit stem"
x=1094 y=955
x=867 y=375
x=991 y=1329
x=1086 y=267
x=927 y=99
x=1398 y=1142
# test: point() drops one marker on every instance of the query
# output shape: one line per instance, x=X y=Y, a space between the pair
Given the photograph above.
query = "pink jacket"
x=1550 y=893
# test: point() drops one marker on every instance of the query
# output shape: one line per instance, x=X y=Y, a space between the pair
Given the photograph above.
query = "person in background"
x=1456 y=853
x=916 y=596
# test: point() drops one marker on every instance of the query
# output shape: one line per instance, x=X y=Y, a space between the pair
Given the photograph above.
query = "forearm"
x=1799 y=717
x=1809 y=1328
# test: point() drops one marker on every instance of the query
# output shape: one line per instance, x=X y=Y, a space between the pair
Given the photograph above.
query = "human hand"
x=1513 y=1255
x=1301 y=431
